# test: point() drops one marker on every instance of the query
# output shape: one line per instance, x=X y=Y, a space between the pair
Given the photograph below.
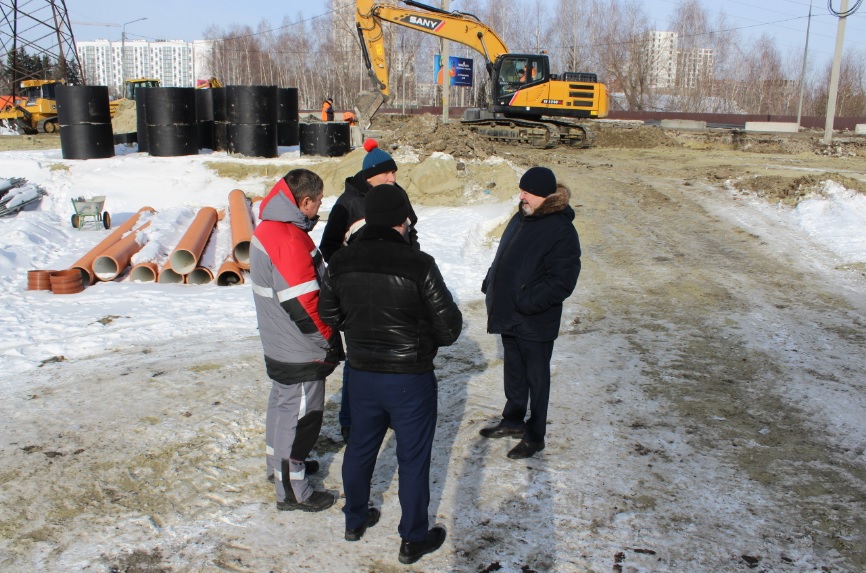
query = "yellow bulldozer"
x=34 y=110
x=130 y=88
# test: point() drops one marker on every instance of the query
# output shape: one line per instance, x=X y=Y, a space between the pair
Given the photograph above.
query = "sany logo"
x=429 y=23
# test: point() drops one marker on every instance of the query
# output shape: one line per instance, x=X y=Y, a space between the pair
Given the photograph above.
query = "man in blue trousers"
x=392 y=304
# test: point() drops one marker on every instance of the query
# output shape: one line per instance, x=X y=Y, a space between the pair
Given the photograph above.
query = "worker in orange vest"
x=328 y=110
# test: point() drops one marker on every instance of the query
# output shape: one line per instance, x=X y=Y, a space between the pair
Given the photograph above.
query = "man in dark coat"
x=535 y=269
x=346 y=219
x=395 y=310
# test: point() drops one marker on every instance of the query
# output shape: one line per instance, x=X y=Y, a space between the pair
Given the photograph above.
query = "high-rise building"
x=174 y=63
x=662 y=57
x=671 y=66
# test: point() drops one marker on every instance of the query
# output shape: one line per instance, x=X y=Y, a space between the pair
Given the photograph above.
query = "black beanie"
x=386 y=206
x=538 y=181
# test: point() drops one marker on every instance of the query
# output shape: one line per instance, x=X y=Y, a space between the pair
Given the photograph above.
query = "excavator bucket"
x=366 y=106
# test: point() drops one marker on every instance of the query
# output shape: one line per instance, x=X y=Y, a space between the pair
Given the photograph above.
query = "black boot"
x=412 y=551
x=356 y=534
x=318 y=501
x=525 y=449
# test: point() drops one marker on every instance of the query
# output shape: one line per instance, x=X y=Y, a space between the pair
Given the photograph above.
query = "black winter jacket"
x=535 y=269
x=391 y=302
x=347 y=217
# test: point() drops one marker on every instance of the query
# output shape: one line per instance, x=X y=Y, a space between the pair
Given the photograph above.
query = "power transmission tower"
x=36 y=42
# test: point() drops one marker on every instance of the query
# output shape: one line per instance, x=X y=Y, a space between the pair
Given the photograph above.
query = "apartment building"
x=671 y=66
x=175 y=63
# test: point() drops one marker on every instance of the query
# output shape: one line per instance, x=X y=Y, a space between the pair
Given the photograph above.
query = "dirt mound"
x=790 y=191
x=427 y=134
x=124 y=120
x=631 y=136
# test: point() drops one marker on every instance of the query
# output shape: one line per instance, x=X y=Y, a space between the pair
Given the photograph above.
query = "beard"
x=524 y=206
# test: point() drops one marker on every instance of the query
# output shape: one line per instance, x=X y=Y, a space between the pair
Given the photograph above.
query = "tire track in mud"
x=700 y=299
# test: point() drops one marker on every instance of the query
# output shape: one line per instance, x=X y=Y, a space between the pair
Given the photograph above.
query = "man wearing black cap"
x=395 y=310
x=347 y=218
x=535 y=269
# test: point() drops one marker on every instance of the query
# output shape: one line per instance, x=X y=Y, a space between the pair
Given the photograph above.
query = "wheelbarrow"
x=90 y=209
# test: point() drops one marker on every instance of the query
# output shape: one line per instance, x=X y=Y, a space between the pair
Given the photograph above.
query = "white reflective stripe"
x=298 y=475
x=314 y=252
x=263 y=291
x=302 y=409
x=353 y=228
x=296 y=291
x=269 y=450
x=278 y=475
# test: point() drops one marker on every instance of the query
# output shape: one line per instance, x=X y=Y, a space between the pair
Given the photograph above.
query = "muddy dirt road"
x=709 y=368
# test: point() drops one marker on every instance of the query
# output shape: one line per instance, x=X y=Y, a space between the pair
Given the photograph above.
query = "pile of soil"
x=790 y=191
x=124 y=120
x=427 y=134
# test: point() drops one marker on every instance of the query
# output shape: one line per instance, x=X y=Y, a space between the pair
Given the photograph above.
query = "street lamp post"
x=123 y=52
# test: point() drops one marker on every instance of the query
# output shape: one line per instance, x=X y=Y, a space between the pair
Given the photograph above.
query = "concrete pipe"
x=85 y=263
x=144 y=273
x=115 y=258
x=185 y=257
x=242 y=228
x=200 y=276
x=169 y=275
x=230 y=274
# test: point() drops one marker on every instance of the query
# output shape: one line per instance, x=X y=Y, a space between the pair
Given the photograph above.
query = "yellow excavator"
x=130 y=88
x=529 y=104
x=37 y=110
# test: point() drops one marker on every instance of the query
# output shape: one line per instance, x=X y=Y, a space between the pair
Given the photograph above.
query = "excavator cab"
x=515 y=72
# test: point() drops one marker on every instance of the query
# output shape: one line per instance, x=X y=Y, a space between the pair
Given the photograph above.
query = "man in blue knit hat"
x=347 y=218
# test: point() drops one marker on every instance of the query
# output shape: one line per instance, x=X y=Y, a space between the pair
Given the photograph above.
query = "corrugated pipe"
x=199 y=276
x=85 y=263
x=115 y=258
x=144 y=273
x=169 y=275
x=230 y=274
x=185 y=257
x=242 y=227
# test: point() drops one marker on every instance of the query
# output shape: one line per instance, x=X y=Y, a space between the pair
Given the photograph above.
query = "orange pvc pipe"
x=242 y=228
x=85 y=263
x=116 y=258
x=184 y=258
x=230 y=273
x=169 y=275
x=144 y=273
x=199 y=276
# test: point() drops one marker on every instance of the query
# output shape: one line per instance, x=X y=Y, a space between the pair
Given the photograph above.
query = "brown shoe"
x=525 y=449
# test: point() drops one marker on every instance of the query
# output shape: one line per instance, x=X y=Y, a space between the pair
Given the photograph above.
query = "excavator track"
x=544 y=134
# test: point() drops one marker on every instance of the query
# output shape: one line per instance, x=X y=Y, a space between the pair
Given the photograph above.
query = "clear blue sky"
x=785 y=20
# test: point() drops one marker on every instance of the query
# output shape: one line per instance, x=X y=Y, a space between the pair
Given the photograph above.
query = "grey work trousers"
x=292 y=427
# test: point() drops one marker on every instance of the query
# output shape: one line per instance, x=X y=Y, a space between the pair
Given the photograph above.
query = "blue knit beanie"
x=376 y=161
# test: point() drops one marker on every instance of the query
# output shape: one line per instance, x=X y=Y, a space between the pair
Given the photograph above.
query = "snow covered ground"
x=46 y=337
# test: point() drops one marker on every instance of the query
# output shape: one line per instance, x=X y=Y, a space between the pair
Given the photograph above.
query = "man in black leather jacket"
x=345 y=221
x=395 y=310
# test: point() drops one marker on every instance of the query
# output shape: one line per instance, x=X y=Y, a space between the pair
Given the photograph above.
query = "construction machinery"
x=212 y=82
x=537 y=108
x=130 y=88
x=35 y=111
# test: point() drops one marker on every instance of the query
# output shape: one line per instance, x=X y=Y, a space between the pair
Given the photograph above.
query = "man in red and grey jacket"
x=300 y=350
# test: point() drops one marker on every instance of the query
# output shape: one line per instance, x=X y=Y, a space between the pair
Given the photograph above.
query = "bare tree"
x=624 y=59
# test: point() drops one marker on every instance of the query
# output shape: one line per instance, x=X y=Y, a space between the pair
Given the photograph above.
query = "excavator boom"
x=456 y=26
